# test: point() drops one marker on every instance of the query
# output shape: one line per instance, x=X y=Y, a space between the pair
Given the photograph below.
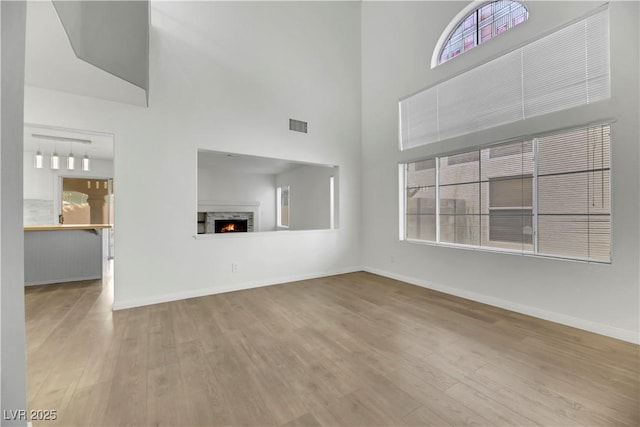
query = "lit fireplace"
x=230 y=225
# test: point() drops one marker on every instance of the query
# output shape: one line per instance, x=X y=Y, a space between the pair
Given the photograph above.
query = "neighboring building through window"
x=484 y=23
x=548 y=195
x=510 y=209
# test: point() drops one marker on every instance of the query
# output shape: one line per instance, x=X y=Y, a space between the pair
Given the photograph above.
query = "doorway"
x=88 y=201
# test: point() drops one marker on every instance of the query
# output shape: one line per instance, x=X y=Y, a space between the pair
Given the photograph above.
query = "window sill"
x=505 y=251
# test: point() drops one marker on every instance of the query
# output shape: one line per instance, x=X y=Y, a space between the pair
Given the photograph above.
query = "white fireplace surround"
x=219 y=206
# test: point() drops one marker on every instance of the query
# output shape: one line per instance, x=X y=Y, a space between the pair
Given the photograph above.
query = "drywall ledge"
x=224 y=289
x=598 y=328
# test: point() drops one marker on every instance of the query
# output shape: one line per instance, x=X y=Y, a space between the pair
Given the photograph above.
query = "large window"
x=559 y=71
x=548 y=195
x=481 y=25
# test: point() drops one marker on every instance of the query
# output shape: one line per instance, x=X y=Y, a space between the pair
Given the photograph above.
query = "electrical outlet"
x=234 y=267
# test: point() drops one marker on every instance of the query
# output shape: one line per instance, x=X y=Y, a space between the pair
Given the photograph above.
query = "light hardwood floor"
x=348 y=350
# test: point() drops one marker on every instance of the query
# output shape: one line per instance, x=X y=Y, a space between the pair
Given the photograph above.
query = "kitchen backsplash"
x=38 y=212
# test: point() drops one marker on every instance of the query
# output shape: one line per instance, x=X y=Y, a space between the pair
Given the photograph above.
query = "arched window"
x=482 y=24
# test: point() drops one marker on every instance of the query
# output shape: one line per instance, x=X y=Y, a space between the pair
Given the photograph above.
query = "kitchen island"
x=64 y=253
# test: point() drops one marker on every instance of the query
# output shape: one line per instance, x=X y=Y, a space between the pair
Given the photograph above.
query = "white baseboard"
x=587 y=325
x=54 y=281
x=158 y=299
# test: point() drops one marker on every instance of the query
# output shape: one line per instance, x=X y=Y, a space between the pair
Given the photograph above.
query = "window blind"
x=562 y=70
x=574 y=194
x=548 y=195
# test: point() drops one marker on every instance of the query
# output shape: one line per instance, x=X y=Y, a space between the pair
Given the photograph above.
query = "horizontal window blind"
x=549 y=196
x=574 y=192
x=562 y=70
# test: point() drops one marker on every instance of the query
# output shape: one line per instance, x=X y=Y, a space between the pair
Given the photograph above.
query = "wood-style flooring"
x=349 y=350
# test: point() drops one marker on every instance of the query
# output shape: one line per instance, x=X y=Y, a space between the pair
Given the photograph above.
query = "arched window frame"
x=470 y=10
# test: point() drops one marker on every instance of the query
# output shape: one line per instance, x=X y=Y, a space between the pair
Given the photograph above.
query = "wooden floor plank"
x=353 y=349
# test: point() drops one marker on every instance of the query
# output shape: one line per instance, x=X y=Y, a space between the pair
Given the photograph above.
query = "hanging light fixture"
x=38 y=159
x=71 y=161
x=85 y=160
x=55 y=159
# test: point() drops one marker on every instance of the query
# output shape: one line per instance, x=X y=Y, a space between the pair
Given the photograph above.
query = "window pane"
x=422 y=173
x=470 y=21
x=575 y=236
x=460 y=199
x=486 y=32
x=469 y=42
x=486 y=11
x=462 y=229
x=421 y=200
x=600 y=238
x=514 y=226
x=453 y=171
x=458 y=159
x=518 y=20
x=514 y=192
x=421 y=227
x=576 y=150
x=504 y=167
x=510 y=149
x=420 y=220
x=502 y=24
x=580 y=193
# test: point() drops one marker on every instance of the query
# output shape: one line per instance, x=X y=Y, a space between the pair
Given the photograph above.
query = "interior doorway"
x=65 y=174
x=86 y=201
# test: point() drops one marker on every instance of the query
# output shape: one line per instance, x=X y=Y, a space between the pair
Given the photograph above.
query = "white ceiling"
x=239 y=163
x=50 y=62
x=101 y=146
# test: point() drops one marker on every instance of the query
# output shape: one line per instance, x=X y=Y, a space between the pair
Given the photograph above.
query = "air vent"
x=297 y=126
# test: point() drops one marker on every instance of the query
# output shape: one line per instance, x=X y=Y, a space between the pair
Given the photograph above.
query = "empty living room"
x=320 y=213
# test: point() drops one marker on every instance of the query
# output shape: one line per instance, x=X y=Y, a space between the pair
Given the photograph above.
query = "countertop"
x=59 y=227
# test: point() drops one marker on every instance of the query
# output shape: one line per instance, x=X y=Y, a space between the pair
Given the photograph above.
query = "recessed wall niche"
x=240 y=193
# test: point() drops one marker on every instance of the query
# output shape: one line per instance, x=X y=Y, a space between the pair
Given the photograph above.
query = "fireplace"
x=213 y=218
x=231 y=225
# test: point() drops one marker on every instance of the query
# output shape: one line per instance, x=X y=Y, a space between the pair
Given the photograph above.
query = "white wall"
x=309 y=201
x=220 y=185
x=397 y=43
x=217 y=86
x=42 y=186
x=13 y=395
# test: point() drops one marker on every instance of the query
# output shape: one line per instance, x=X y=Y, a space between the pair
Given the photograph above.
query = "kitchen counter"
x=64 y=253
x=58 y=227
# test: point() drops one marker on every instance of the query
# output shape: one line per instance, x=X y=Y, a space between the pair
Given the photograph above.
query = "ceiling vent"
x=297 y=126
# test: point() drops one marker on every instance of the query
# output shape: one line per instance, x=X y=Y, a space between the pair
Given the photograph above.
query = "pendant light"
x=55 y=159
x=85 y=160
x=38 y=159
x=71 y=161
